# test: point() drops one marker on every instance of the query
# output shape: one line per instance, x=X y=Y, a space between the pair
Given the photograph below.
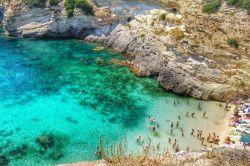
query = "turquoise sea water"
x=60 y=88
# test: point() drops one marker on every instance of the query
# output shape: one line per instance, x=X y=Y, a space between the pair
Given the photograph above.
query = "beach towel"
x=245 y=139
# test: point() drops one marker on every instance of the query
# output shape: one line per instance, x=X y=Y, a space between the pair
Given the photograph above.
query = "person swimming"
x=177 y=124
x=172 y=125
x=169 y=140
x=199 y=106
x=192 y=132
x=204 y=114
x=193 y=114
x=208 y=137
x=158 y=146
x=151 y=119
x=138 y=138
x=98 y=152
x=177 y=149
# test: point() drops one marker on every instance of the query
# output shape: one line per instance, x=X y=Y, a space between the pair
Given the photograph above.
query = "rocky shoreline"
x=185 y=55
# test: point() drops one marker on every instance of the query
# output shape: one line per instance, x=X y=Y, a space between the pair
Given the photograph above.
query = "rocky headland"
x=189 y=52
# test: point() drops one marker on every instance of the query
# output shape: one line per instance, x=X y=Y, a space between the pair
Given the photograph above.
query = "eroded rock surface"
x=51 y=21
x=186 y=50
x=168 y=51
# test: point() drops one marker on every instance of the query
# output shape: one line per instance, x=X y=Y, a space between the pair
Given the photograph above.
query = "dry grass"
x=117 y=155
x=177 y=33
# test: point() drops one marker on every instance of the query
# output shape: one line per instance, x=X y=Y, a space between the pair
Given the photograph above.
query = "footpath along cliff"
x=188 y=50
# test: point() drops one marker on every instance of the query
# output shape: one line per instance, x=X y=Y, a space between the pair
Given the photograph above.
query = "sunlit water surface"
x=63 y=88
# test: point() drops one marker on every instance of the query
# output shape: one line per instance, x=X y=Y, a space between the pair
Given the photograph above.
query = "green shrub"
x=128 y=26
x=163 y=16
x=143 y=37
x=53 y=2
x=35 y=3
x=245 y=4
x=69 y=5
x=85 y=6
x=211 y=6
x=232 y=42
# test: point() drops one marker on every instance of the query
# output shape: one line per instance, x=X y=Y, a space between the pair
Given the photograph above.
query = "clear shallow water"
x=58 y=87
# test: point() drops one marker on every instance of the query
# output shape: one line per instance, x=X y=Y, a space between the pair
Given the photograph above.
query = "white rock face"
x=39 y=22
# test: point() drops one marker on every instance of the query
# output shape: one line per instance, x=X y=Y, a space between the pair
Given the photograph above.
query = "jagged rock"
x=53 y=22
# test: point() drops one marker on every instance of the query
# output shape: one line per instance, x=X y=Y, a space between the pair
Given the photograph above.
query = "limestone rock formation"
x=165 y=49
x=192 y=53
x=51 y=21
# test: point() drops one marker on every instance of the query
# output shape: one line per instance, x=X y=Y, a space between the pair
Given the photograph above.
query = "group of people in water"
x=210 y=139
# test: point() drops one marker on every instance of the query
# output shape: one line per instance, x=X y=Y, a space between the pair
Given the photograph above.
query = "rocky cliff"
x=51 y=21
x=1 y=13
x=189 y=52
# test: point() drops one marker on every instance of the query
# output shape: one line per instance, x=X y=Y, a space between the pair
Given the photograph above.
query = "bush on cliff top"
x=245 y=4
x=211 y=6
x=232 y=42
x=70 y=5
x=53 y=2
x=86 y=7
x=34 y=3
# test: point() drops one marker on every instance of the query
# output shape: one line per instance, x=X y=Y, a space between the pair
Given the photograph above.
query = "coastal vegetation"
x=69 y=5
x=232 y=42
x=211 y=6
x=177 y=33
x=163 y=16
x=35 y=3
x=244 y=4
x=84 y=5
x=117 y=154
x=53 y=2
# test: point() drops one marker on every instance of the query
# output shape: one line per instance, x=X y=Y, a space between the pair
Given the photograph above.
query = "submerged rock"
x=71 y=120
x=46 y=141
x=4 y=160
x=56 y=155
x=19 y=151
